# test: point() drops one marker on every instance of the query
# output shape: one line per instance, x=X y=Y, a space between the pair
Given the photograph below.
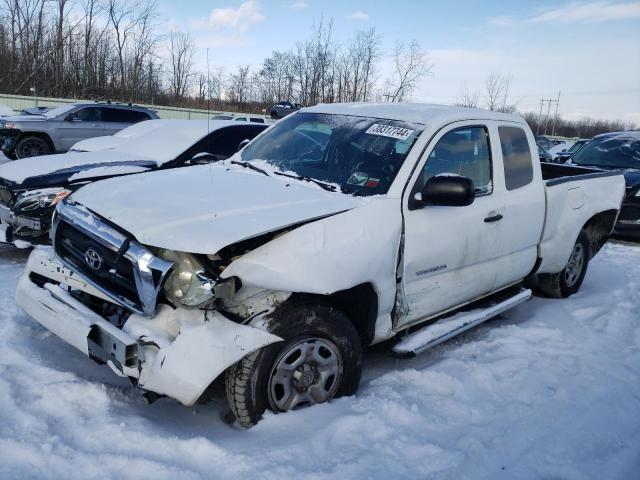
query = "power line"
x=548 y=102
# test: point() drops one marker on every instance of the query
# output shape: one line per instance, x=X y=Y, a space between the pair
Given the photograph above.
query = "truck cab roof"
x=413 y=112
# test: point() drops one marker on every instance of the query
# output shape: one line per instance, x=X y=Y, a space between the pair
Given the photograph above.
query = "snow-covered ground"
x=549 y=390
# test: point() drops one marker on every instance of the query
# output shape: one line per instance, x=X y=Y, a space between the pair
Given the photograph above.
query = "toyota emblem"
x=93 y=259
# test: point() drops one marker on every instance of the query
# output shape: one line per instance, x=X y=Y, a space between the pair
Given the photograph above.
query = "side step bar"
x=442 y=330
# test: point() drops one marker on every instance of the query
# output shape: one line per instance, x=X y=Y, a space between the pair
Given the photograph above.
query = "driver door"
x=449 y=252
x=86 y=122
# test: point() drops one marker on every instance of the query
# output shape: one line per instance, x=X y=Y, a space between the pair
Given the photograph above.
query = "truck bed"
x=574 y=195
x=555 y=174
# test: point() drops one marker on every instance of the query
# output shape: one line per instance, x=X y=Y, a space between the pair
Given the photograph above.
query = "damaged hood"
x=61 y=169
x=203 y=209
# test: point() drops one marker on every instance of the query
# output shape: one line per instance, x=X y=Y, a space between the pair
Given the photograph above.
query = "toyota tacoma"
x=340 y=227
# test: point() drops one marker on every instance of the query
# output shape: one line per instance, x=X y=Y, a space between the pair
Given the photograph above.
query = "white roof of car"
x=422 y=113
x=160 y=140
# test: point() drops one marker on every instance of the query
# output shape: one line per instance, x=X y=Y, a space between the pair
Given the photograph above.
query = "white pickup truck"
x=339 y=227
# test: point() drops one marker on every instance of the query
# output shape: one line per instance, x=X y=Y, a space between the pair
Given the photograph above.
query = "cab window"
x=516 y=155
x=465 y=152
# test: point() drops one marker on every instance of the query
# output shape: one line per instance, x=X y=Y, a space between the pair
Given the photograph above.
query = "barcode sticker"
x=390 y=131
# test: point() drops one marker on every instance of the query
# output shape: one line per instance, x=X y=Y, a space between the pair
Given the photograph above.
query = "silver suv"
x=56 y=130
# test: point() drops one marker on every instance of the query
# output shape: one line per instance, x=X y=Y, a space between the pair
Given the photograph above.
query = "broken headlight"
x=189 y=285
x=31 y=202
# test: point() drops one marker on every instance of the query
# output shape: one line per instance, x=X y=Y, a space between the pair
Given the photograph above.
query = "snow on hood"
x=22 y=118
x=202 y=209
x=28 y=171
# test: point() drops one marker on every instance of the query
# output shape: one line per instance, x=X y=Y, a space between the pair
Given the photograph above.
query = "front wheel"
x=32 y=147
x=320 y=359
x=568 y=281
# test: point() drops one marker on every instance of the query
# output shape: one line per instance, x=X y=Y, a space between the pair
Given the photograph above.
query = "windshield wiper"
x=325 y=186
x=250 y=166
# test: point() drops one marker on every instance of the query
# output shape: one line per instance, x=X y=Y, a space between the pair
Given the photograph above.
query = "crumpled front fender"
x=186 y=350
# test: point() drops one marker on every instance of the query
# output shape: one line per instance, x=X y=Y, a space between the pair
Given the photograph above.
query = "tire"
x=569 y=280
x=260 y=380
x=32 y=147
x=274 y=115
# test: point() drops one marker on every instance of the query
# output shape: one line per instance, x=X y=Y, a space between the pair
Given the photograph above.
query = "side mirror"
x=203 y=158
x=243 y=144
x=446 y=190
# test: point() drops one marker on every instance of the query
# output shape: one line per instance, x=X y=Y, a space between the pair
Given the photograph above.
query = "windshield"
x=619 y=151
x=359 y=154
x=577 y=146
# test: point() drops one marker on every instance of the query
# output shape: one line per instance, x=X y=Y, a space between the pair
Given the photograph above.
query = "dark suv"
x=56 y=130
x=282 y=109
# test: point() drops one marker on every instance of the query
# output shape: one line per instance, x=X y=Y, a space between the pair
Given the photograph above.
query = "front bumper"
x=18 y=229
x=177 y=353
x=8 y=140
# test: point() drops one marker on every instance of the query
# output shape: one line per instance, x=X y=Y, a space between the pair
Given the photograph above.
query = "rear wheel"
x=569 y=280
x=32 y=147
x=274 y=115
x=320 y=359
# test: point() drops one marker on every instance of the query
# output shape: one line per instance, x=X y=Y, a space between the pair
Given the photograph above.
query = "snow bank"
x=550 y=390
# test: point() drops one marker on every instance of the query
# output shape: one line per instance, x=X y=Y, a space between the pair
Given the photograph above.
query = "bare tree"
x=239 y=85
x=182 y=51
x=217 y=86
x=410 y=66
x=497 y=87
x=468 y=98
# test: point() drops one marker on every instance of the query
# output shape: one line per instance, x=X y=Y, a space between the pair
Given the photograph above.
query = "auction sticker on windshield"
x=390 y=131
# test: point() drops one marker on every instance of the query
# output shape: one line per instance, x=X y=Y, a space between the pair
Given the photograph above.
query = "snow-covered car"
x=282 y=109
x=30 y=188
x=340 y=227
x=46 y=131
x=240 y=118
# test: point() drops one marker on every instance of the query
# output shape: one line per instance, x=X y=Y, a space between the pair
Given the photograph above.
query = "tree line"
x=112 y=49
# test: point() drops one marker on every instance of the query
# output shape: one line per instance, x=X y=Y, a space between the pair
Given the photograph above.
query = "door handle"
x=494 y=218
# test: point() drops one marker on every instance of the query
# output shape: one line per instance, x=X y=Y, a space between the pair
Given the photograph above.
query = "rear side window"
x=120 y=115
x=223 y=142
x=518 y=165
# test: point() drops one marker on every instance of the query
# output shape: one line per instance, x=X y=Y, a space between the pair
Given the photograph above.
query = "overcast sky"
x=590 y=51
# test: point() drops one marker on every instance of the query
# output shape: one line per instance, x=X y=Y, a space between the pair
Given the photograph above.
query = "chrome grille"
x=118 y=266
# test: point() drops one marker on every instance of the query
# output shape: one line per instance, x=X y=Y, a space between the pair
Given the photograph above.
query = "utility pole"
x=555 y=117
x=546 y=121
x=548 y=102
x=539 y=117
